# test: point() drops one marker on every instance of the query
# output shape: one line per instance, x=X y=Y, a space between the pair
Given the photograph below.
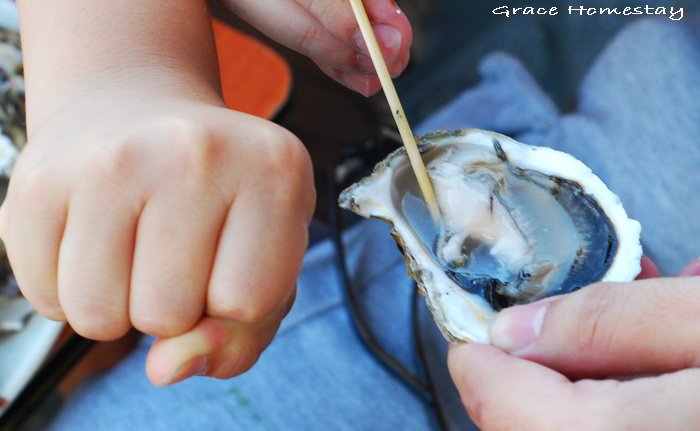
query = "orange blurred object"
x=254 y=78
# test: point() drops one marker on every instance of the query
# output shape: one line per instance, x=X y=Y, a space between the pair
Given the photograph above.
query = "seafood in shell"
x=518 y=223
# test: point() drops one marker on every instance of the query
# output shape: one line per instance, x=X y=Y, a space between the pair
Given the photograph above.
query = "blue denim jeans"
x=636 y=124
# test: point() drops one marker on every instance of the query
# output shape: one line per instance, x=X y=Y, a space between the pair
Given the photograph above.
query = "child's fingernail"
x=356 y=81
x=365 y=63
x=517 y=327
x=194 y=367
x=692 y=269
x=389 y=39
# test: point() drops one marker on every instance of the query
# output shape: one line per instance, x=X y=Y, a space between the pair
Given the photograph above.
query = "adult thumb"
x=608 y=329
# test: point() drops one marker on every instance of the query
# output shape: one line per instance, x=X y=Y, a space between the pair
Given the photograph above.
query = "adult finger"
x=498 y=390
x=692 y=269
x=647 y=326
x=649 y=269
x=502 y=392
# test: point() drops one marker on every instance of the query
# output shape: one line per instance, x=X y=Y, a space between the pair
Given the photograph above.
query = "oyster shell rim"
x=625 y=264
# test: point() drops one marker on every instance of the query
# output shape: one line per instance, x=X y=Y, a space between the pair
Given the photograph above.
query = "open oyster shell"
x=519 y=223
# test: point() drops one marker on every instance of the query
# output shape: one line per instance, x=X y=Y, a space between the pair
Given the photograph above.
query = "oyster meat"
x=518 y=223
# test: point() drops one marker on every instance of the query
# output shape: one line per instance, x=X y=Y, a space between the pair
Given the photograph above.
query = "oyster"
x=518 y=223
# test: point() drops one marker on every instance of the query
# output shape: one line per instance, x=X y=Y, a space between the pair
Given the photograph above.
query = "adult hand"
x=326 y=31
x=639 y=339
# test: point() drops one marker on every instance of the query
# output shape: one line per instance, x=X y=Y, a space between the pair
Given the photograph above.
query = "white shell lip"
x=463 y=317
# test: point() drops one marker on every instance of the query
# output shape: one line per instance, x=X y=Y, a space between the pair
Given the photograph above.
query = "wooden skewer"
x=409 y=141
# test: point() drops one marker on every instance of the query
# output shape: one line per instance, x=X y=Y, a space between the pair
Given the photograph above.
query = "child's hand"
x=154 y=213
x=140 y=201
x=326 y=32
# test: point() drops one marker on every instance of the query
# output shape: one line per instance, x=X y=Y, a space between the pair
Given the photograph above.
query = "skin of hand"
x=608 y=357
x=326 y=32
x=140 y=200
